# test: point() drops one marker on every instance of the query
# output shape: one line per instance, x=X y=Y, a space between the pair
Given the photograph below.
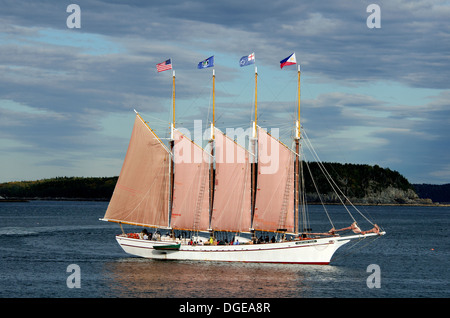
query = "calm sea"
x=41 y=240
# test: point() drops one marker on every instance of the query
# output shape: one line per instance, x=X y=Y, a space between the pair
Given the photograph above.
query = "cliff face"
x=390 y=195
x=361 y=184
x=394 y=195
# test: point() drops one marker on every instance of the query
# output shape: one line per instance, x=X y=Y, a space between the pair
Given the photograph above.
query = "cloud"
x=331 y=38
x=384 y=92
x=443 y=174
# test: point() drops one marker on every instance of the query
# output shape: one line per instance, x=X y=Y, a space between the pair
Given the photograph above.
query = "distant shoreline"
x=309 y=203
x=54 y=199
x=364 y=186
x=14 y=200
x=388 y=204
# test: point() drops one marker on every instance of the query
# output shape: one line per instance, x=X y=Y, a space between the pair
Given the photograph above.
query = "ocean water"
x=40 y=241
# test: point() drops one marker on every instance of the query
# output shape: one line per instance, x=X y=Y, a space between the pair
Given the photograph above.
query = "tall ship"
x=222 y=202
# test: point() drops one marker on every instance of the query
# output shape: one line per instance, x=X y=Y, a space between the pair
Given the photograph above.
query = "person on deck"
x=143 y=235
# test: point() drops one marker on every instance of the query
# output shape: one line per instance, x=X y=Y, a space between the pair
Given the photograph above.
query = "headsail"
x=190 y=208
x=232 y=197
x=274 y=207
x=141 y=195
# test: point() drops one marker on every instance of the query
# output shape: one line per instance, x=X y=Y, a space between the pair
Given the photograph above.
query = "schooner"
x=182 y=187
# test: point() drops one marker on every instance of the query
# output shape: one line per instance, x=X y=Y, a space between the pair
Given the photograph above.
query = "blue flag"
x=209 y=62
x=247 y=60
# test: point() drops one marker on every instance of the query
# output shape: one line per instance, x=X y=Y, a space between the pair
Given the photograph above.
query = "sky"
x=368 y=95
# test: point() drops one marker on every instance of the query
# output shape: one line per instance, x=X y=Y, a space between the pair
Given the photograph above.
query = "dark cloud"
x=331 y=38
x=68 y=78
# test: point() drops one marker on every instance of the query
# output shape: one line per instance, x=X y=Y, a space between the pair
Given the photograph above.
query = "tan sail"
x=141 y=195
x=274 y=207
x=232 y=196
x=190 y=209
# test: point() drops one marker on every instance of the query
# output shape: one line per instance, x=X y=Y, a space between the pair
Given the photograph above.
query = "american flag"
x=164 y=66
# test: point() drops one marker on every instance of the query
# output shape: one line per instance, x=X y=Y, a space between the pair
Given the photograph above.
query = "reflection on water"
x=137 y=277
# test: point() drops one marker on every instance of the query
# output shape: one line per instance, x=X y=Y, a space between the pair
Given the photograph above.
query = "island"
x=360 y=183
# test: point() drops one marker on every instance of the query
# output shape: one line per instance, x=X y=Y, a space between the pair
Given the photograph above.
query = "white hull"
x=311 y=251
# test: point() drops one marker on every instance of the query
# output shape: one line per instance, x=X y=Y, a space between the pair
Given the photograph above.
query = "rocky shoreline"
x=388 y=196
x=354 y=201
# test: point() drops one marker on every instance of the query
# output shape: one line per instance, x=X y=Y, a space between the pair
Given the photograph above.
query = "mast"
x=173 y=98
x=214 y=104
x=298 y=121
x=256 y=102
x=211 y=166
x=253 y=141
x=172 y=143
x=297 y=161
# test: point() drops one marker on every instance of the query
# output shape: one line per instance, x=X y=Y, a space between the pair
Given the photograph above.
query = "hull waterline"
x=312 y=251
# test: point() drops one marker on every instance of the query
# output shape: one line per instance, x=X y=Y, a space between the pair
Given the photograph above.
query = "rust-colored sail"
x=141 y=195
x=232 y=196
x=274 y=208
x=190 y=209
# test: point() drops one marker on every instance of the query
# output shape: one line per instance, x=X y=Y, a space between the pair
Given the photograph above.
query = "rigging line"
x=199 y=146
x=209 y=109
x=337 y=185
x=195 y=99
x=276 y=96
x=198 y=208
x=153 y=133
x=284 y=208
x=156 y=118
x=305 y=211
x=320 y=196
x=329 y=178
x=158 y=124
x=244 y=88
x=325 y=172
x=285 y=107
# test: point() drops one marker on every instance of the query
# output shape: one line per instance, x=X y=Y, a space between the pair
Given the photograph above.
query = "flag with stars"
x=164 y=66
x=247 y=60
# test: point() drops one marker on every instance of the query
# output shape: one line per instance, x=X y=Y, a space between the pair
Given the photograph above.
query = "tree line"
x=436 y=192
x=61 y=187
x=355 y=180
